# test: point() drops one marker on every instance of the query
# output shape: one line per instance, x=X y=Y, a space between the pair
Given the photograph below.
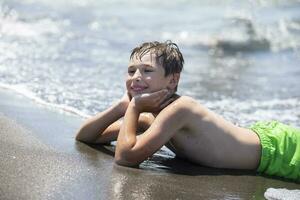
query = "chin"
x=138 y=93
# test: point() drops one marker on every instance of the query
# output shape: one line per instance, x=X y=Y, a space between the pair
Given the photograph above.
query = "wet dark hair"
x=166 y=52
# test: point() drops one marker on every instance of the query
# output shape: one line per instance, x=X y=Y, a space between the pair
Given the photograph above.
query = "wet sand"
x=41 y=160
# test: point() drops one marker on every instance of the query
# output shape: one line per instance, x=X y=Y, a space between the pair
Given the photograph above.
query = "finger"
x=159 y=95
x=165 y=97
x=162 y=98
x=160 y=92
x=167 y=103
x=169 y=95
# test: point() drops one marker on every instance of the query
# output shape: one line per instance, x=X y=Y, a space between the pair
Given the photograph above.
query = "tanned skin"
x=154 y=115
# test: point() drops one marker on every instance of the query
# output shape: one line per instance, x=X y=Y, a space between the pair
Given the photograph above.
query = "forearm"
x=127 y=136
x=95 y=126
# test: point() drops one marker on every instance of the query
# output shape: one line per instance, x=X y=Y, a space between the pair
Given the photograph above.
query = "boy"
x=151 y=107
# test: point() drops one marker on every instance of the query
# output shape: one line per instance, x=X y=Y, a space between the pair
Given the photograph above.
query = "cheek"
x=156 y=85
x=148 y=78
x=151 y=82
x=128 y=83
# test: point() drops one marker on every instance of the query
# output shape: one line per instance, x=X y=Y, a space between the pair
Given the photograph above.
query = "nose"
x=137 y=75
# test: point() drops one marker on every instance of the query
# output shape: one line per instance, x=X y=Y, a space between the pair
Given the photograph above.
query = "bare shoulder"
x=187 y=101
x=192 y=106
x=183 y=104
x=188 y=111
x=178 y=109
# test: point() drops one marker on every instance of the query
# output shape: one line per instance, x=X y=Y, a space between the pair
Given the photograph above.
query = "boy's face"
x=146 y=75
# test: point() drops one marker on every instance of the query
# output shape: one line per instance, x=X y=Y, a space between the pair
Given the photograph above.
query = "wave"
x=249 y=39
x=20 y=89
x=13 y=25
x=239 y=112
x=243 y=46
x=247 y=112
x=242 y=34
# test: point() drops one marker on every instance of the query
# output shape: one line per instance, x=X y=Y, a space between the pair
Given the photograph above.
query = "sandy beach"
x=41 y=160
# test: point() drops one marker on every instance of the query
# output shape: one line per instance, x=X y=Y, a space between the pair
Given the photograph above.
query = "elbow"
x=122 y=162
x=83 y=139
x=126 y=161
x=78 y=138
x=81 y=136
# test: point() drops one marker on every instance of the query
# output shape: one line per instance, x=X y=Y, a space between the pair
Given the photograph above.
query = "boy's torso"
x=209 y=140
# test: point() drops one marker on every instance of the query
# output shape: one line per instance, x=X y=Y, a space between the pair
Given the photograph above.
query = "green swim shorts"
x=280 y=149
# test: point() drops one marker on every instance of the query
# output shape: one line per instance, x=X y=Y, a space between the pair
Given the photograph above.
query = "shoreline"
x=33 y=98
x=40 y=159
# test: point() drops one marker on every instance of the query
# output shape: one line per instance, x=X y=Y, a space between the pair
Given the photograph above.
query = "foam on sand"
x=282 y=194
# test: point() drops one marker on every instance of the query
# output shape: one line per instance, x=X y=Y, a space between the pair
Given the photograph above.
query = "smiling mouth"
x=138 y=89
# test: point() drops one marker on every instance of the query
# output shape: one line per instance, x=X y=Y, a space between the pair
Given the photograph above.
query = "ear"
x=174 y=79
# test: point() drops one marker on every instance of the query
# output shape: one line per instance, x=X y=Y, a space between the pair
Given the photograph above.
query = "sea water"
x=242 y=58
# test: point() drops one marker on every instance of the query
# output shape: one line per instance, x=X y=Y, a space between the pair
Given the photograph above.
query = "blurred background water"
x=242 y=57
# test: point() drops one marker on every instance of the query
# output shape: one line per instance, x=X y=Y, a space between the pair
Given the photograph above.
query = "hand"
x=152 y=102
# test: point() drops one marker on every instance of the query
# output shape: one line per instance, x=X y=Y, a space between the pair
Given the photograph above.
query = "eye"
x=131 y=71
x=148 y=70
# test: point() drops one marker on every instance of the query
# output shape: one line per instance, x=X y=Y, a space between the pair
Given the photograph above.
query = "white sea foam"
x=243 y=31
x=11 y=25
x=240 y=112
x=249 y=111
x=22 y=90
x=282 y=194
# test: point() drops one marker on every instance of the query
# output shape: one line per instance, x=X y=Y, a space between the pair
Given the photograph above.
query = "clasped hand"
x=148 y=102
x=152 y=102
